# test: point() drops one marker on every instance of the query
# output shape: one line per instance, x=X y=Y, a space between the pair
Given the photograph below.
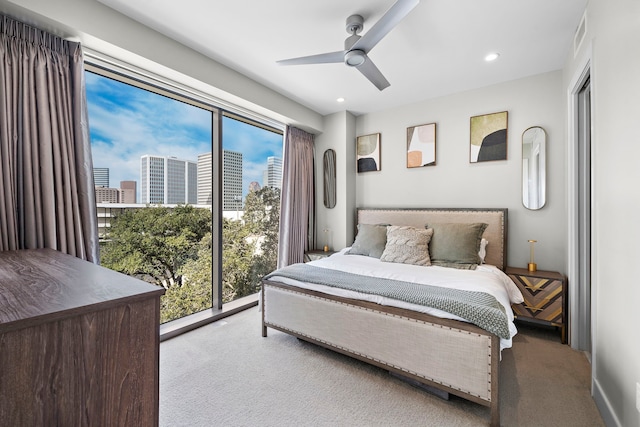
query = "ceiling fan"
x=356 y=48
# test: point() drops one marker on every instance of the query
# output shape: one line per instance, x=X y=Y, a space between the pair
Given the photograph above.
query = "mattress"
x=485 y=278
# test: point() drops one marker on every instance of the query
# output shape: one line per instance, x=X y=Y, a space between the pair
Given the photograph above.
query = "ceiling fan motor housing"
x=354 y=24
x=353 y=58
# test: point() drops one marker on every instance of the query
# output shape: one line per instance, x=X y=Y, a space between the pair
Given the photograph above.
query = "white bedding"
x=486 y=278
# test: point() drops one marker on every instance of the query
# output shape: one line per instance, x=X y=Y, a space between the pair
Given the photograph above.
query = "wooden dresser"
x=545 y=297
x=79 y=343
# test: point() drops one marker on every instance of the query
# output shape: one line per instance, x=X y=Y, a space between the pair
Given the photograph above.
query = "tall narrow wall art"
x=368 y=152
x=421 y=145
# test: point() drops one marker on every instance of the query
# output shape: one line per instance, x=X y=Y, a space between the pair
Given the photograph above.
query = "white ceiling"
x=438 y=49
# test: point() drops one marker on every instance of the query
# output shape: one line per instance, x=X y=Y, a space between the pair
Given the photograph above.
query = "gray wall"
x=612 y=43
x=454 y=182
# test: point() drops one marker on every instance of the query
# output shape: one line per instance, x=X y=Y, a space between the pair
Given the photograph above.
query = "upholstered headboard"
x=495 y=233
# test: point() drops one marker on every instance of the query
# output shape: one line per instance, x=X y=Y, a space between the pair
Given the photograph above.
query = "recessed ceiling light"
x=491 y=57
x=340 y=99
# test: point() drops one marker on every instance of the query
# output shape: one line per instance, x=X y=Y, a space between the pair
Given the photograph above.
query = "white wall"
x=339 y=135
x=612 y=42
x=454 y=182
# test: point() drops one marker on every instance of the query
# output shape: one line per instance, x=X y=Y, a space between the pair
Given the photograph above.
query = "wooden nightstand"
x=317 y=254
x=545 y=297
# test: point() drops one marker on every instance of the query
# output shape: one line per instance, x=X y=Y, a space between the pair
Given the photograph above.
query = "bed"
x=432 y=346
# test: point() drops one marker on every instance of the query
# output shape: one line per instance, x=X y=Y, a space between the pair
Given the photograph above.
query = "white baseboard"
x=602 y=403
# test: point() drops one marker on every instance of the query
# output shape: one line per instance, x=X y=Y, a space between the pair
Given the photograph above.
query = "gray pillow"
x=370 y=240
x=456 y=245
x=407 y=245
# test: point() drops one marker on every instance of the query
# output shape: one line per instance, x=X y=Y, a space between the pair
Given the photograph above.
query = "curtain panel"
x=297 y=203
x=47 y=197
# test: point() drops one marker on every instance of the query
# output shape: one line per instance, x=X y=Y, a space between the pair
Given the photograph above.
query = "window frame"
x=166 y=87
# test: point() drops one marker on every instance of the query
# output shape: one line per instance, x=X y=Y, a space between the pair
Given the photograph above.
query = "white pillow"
x=483 y=249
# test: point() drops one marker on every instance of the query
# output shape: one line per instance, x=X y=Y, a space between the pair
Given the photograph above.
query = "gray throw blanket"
x=479 y=308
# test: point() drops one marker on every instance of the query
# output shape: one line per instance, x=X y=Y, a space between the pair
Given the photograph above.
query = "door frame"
x=578 y=305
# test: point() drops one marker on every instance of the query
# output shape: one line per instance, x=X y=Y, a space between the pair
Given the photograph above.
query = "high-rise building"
x=205 y=179
x=128 y=192
x=231 y=180
x=168 y=180
x=106 y=195
x=101 y=177
x=272 y=176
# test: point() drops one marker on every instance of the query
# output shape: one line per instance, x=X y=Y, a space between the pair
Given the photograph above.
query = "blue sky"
x=127 y=122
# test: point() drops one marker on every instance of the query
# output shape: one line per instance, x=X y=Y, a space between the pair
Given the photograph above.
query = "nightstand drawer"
x=535 y=285
x=548 y=310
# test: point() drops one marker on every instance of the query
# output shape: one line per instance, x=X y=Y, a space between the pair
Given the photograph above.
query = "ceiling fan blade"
x=323 y=58
x=370 y=71
x=388 y=21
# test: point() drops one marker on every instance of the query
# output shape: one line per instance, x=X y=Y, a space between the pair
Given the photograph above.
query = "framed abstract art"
x=368 y=152
x=488 y=139
x=421 y=146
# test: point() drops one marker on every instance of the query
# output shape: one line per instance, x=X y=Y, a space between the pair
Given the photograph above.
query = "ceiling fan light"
x=353 y=58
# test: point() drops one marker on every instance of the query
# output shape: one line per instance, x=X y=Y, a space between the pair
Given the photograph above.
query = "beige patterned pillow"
x=407 y=245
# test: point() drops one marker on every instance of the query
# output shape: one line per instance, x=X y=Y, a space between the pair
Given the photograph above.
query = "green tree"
x=238 y=250
x=262 y=218
x=195 y=293
x=173 y=248
x=154 y=243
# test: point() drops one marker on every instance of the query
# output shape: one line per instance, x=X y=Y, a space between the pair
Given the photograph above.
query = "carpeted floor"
x=227 y=374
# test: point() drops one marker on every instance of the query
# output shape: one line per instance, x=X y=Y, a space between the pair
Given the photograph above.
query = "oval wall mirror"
x=534 y=141
x=329 y=164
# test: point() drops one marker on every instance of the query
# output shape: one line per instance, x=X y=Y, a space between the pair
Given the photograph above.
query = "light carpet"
x=227 y=374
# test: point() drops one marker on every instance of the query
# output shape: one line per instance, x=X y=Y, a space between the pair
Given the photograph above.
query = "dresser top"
x=43 y=285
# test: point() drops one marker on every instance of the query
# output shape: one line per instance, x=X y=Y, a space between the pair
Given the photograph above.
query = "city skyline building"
x=106 y=195
x=101 y=177
x=168 y=180
x=232 y=162
x=272 y=176
x=128 y=192
x=231 y=180
x=205 y=179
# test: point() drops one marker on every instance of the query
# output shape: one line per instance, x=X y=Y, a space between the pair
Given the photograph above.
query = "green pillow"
x=370 y=240
x=456 y=245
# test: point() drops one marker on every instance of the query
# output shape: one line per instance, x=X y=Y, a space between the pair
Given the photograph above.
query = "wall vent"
x=581 y=32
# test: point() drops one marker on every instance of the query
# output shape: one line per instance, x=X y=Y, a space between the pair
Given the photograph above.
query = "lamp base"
x=326 y=248
x=533 y=266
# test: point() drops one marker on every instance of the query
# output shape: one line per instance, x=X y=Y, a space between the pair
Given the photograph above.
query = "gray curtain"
x=47 y=197
x=297 y=204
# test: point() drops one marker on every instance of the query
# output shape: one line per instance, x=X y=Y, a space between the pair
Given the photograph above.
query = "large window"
x=252 y=179
x=168 y=170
